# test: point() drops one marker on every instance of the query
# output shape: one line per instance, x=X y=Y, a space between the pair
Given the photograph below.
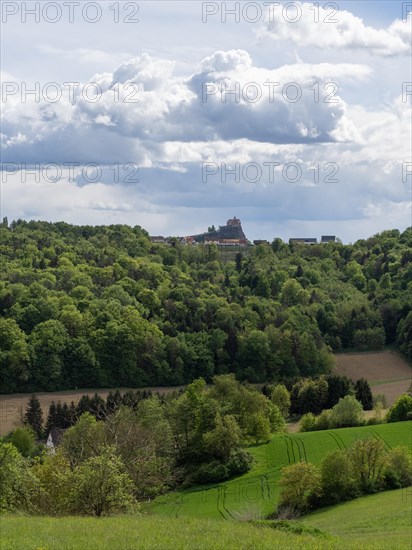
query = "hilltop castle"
x=229 y=234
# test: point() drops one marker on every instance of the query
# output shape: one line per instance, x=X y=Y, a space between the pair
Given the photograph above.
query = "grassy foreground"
x=154 y=533
x=381 y=521
x=259 y=489
x=384 y=519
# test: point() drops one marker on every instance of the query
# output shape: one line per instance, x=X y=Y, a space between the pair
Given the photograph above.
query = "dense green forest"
x=85 y=306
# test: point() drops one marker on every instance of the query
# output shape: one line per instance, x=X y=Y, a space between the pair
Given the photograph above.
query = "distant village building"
x=158 y=239
x=328 y=239
x=303 y=240
x=54 y=439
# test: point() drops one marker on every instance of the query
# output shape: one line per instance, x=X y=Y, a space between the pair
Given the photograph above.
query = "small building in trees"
x=54 y=439
x=303 y=240
x=158 y=239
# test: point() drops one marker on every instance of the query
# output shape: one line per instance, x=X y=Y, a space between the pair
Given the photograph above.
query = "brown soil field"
x=12 y=406
x=391 y=390
x=386 y=371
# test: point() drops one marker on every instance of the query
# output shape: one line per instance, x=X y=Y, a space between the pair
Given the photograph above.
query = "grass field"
x=382 y=519
x=259 y=488
x=154 y=533
x=386 y=371
x=377 y=522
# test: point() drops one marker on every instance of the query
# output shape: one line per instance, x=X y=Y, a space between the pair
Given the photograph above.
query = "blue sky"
x=184 y=155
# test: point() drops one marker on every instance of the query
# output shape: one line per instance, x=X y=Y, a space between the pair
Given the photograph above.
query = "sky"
x=293 y=116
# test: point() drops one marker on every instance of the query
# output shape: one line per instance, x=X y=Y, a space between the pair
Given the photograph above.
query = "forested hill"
x=103 y=306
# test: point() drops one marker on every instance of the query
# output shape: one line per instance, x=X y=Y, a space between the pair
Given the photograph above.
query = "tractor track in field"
x=301 y=448
x=268 y=486
x=339 y=437
x=219 y=502
x=292 y=448
x=225 y=508
x=287 y=449
x=262 y=487
x=304 y=448
x=378 y=437
x=337 y=441
x=292 y=445
x=264 y=480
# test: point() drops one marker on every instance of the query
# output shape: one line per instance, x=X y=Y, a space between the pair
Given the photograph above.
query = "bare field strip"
x=386 y=371
x=12 y=406
x=382 y=365
x=391 y=390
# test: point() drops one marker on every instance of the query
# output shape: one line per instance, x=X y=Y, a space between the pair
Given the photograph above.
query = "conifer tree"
x=34 y=415
x=72 y=414
x=363 y=394
x=59 y=415
x=113 y=401
x=51 y=417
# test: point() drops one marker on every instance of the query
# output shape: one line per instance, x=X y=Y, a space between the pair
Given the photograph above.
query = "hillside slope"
x=259 y=489
x=381 y=519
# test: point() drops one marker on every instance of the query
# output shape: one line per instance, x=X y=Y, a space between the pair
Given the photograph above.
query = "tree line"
x=298 y=397
x=84 y=306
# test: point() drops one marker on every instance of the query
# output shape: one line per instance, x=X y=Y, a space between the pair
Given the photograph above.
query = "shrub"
x=307 y=423
x=210 y=472
x=323 y=421
x=281 y=398
x=276 y=419
x=258 y=427
x=401 y=410
x=398 y=471
x=336 y=477
x=347 y=412
x=300 y=484
x=368 y=459
x=54 y=477
x=24 y=440
x=225 y=437
x=99 y=486
x=16 y=480
x=240 y=462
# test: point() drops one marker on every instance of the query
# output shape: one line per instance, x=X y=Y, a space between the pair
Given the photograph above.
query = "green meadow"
x=381 y=520
x=257 y=491
x=376 y=522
